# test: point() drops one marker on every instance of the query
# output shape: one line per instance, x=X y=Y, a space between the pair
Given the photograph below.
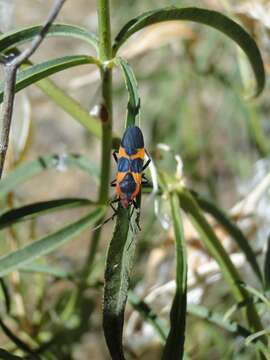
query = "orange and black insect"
x=130 y=167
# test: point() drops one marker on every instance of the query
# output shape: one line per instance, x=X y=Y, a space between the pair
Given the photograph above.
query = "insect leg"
x=113 y=208
x=113 y=183
x=146 y=164
x=145 y=181
x=137 y=220
x=115 y=156
x=111 y=217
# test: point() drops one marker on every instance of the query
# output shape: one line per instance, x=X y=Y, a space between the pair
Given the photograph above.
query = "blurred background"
x=196 y=89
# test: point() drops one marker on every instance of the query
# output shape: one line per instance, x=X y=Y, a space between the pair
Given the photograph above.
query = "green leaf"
x=5 y=355
x=217 y=319
x=46 y=270
x=118 y=266
x=21 y=36
x=6 y=295
x=70 y=106
x=47 y=244
x=267 y=266
x=215 y=248
x=27 y=171
x=20 y=344
x=37 y=72
x=233 y=230
x=133 y=108
x=233 y=327
x=149 y=315
x=36 y=209
x=211 y=18
x=174 y=347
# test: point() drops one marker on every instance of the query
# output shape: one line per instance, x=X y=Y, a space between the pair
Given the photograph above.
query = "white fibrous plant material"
x=256 y=203
x=257 y=10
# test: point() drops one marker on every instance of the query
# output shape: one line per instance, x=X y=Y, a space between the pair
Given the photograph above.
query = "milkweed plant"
x=52 y=337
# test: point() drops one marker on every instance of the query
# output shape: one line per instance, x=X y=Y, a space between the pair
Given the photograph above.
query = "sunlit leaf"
x=21 y=36
x=174 y=347
x=37 y=72
x=36 y=209
x=149 y=315
x=118 y=266
x=217 y=251
x=28 y=170
x=235 y=232
x=133 y=107
x=211 y=18
x=45 y=270
x=48 y=243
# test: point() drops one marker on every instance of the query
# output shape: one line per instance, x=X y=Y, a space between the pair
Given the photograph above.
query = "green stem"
x=105 y=54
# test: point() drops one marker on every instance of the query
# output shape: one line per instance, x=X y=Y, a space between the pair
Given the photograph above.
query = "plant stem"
x=105 y=53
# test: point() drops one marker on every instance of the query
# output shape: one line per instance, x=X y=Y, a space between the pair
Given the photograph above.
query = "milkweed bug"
x=130 y=167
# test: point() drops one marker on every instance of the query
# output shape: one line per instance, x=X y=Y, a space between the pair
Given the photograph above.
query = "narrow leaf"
x=215 y=248
x=21 y=36
x=70 y=106
x=37 y=72
x=46 y=270
x=133 y=107
x=5 y=355
x=267 y=266
x=118 y=266
x=6 y=295
x=149 y=315
x=233 y=230
x=174 y=347
x=26 y=171
x=47 y=244
x=34 y=210
x=217 y=319
x=211 y=18
x=15 y=339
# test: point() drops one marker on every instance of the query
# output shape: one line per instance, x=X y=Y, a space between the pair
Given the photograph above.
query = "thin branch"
x=11 y=65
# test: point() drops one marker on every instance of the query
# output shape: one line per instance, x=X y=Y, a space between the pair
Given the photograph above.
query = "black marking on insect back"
x=123 y=164
x=127 y=185
x=132 y=140
x=136 y=165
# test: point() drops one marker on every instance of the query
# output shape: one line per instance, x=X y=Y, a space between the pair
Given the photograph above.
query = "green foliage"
x=73 y=308
x=203 y=16
x=174 y=347
x=38 y=72
x=47 y=244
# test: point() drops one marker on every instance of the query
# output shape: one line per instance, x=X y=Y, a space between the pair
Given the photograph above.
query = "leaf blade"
x=118 y=266
x=133 y=107
x=26 y=171
x=211 y=18
x=17 y=37
x=36 y=209
x=174 y=347
x=267 y=266
x=216 y=249
x=37 y=72
x=234 y=231
x=48 y=243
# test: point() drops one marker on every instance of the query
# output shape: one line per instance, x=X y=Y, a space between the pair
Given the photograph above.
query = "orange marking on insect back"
x=139 y=154
x=122 y=152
